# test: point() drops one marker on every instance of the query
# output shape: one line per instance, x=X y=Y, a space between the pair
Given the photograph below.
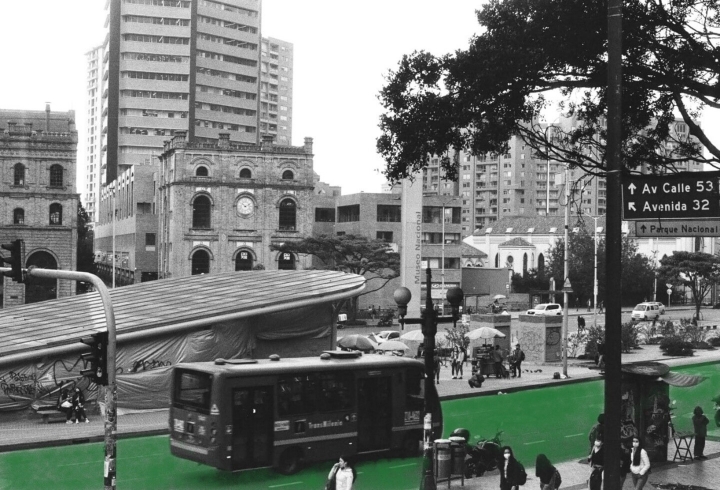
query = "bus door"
x=252 y=438
x=374 y=413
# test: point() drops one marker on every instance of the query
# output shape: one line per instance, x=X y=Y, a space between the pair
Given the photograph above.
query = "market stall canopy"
x=663 y=373
x=484 y=333
x=168 y=305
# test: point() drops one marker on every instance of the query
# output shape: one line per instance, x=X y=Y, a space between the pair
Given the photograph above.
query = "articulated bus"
x=282 y=413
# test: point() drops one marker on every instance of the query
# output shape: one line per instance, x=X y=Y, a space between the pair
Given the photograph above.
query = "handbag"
x=331 y=481
x=66 y=404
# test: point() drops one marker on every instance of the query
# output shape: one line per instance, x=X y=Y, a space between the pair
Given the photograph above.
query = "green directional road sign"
x=677 y=228
x=686 y=195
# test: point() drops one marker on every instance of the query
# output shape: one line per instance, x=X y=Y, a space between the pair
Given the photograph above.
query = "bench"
x=49 y=413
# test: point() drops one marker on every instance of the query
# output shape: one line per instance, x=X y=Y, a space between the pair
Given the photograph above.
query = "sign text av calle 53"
x=682 y=195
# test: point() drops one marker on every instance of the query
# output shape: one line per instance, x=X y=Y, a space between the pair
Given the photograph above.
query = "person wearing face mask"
x=596 y=458
x=512 y=473
x=639 y=464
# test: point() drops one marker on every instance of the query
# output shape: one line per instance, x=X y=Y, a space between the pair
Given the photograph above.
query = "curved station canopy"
x=166 y=306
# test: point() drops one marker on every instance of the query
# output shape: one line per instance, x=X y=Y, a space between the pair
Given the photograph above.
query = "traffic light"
x=16 y=260
x=95 y=361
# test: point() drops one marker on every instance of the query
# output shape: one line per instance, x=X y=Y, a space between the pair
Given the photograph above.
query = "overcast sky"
x=342 y=52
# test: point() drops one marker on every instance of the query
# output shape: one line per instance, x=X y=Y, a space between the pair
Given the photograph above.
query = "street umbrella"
x=393 y=345
x=484 y=333
x=357 y=342
x=499 y=296
x=417 y=336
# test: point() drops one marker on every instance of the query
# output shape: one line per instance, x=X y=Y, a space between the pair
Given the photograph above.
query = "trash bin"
x=457 y=454
x=443 y=463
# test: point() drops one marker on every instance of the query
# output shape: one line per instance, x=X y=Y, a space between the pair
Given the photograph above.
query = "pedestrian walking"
x=597 y=429
x=581 y=324
x=601 y=307
x=436 y=361
x=512 y=473
x=700 y=423
x=518 y=356
x=420 y=351
x=78 y=403
x=497 y=357
x=64 y=404
x=342 y=475
x=589 y=304
x=456 y=363
x=373 y=312
x=639 y=464
x=596 y=458
x=548 y=475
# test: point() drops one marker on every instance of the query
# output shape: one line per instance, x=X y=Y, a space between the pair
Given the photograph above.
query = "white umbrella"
x=393 y=345
x=499 y=296
x=484 y=333
x=417 y=336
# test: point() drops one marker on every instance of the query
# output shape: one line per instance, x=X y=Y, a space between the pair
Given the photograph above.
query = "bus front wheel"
x=290 y=461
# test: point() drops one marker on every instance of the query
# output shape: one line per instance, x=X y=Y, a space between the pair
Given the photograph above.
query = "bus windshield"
x=192 y=389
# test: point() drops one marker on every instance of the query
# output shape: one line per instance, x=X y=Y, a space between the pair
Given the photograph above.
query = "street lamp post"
x=595 y=280
x=566 y=274
x=429 y=321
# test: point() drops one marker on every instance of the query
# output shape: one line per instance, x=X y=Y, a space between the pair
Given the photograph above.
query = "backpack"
x=522 y=474
x=558 y=479
x=522 y=355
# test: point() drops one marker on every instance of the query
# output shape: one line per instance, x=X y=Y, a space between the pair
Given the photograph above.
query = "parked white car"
x=661 y=307
x=387 y=335
x=646 y=311
x=546 y=309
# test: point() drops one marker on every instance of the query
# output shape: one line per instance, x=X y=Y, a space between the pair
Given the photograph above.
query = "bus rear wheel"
x=290 y=461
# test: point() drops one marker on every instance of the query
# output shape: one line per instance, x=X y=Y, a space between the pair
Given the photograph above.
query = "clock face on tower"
x=245 y=206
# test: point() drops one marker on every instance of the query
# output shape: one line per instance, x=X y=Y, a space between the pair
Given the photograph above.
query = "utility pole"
x=613 y=386
x=111 y=388
x=566 y=274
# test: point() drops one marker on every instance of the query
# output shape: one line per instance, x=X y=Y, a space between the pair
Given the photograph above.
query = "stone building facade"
x=220 y=206
x=38 y=203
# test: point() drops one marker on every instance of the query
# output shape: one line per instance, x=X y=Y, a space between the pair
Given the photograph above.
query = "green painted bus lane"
x=552 y=420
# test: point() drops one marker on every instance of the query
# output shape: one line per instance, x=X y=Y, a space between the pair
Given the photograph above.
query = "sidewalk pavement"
x=20 y=432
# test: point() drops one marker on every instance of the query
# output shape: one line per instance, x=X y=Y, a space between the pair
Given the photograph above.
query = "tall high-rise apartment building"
x=183 y=65
x=90 y=195
x=276 y=90
x=519 y=184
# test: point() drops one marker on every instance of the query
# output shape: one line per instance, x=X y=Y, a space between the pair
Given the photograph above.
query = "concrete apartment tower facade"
x=90 y=194
x=190 y=65
x=38 y=203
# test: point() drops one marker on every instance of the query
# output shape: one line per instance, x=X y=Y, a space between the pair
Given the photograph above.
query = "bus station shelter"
x=246 y=314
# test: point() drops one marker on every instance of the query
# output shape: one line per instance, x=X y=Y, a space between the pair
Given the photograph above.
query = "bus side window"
x=336 y=391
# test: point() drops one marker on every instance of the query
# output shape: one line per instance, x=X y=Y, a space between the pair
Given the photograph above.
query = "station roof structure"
x=168 y=305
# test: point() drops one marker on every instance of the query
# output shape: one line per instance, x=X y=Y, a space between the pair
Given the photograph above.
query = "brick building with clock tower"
x=220 y=206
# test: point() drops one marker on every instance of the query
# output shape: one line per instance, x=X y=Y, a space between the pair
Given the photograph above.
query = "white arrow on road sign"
x=631 y=206
x=631 y=188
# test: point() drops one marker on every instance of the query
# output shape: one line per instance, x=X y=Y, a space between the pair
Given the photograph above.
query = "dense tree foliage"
x=637 y=271
x=698 y=271
x=534 y=58
x=357 y=254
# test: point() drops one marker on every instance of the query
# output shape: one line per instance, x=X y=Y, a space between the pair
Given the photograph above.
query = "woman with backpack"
x=512 y=472
x=548 y=475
